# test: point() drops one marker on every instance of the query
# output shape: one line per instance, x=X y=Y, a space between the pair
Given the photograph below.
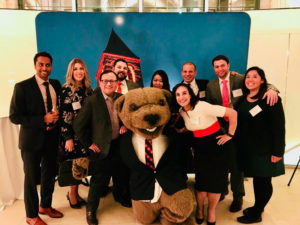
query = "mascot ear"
x=119 y=103
x=168 y=96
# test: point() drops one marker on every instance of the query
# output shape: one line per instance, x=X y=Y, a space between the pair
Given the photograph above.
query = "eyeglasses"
x=109 y=81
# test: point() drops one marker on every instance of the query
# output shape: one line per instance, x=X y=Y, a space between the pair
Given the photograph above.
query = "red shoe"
x=53 y=213
x=35 y=221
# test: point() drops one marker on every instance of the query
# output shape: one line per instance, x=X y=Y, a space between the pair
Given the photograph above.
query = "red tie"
x=225 y=95
x=149 y=154
x=119 y=90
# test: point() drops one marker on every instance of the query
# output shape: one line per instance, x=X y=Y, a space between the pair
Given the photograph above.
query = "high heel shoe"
x=200 y=220
x=74 y=206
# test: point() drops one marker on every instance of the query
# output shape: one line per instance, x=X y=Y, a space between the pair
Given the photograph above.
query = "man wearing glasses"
x=97 y=126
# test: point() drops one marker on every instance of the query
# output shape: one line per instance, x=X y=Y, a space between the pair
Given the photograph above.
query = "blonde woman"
x=72 y=96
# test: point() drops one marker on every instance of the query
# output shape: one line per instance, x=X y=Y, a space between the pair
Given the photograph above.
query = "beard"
x=121 y=76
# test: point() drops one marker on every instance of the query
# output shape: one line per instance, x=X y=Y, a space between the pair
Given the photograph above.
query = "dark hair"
x=120 y=60
x=45 y=54
x=106 y=72
x=193 y=100
x=165 y=79
x=220 y=57
x=189 y=63
x=263 y=86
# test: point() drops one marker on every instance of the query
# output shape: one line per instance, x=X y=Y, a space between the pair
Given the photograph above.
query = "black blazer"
x=27 y=108
x=93 y=125
x=168 y=173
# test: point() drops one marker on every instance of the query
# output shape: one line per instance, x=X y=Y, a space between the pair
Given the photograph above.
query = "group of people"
x=85 y=123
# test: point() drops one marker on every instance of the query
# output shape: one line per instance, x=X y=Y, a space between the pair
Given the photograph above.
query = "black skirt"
x=211 y=164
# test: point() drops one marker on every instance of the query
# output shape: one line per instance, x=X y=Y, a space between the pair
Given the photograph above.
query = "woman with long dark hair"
x=261 y=141
x=209 y=144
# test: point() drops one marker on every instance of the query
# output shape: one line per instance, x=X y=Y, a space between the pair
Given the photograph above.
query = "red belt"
x=207 y=131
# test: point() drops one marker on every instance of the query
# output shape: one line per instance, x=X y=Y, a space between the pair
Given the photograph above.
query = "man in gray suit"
x=121 y=69
x=233 y=82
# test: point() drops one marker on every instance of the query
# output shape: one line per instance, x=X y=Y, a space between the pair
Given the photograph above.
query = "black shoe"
x=211 y=223
x=249 y=210
x=198 y=220
x=91 y=218
x=74 y=206
x=82 y=202
x=236 y=205
x=249 y=219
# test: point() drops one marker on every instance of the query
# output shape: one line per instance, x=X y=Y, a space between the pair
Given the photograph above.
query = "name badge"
x=202 y=94
x=255 y=110
x=76 y=105
x=237 y=93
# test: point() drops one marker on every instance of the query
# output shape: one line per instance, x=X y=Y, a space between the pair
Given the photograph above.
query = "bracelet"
x=230 y=135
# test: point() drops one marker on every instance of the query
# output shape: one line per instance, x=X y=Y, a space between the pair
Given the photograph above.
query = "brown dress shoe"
x=53 y=213
x=91 y=218
x=35 y=221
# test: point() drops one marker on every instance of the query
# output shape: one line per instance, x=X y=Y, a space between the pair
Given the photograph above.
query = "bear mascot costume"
x=149 y=148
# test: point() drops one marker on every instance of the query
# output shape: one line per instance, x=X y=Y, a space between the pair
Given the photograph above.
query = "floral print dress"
x=69 y=108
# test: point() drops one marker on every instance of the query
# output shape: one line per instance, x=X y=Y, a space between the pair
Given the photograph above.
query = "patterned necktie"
x=149 y=154
x=119 y=90
x=225 y=95
x=48 y=98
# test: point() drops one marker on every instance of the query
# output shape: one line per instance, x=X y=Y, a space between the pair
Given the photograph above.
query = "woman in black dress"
x=261 y=141
x=160 y=80
x=210 y=150
x=73 y=93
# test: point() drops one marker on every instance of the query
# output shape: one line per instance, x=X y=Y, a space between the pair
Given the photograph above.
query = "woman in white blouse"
x=209 y=144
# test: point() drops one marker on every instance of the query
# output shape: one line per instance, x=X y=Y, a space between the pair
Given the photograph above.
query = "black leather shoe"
x=91 y=218
x=198 y=220
x=249 y=219
x=249 y=210
x=74 y=206
x=236 y=205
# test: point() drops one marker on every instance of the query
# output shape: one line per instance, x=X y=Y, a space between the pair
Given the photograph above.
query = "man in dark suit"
x=188 y=73
x=33 y=105
x=231 y=83
x=97 y=126
x=121 y=69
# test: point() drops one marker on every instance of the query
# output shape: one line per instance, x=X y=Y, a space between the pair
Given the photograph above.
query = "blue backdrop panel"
x=162 y=40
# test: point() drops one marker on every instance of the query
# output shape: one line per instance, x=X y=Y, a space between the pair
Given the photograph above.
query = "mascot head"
x=145 y=111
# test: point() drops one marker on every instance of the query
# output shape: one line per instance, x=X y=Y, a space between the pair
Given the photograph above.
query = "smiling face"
x=183 y=97
x=157 y=81
x=253 y=81
x=43 y=67
x=78 y=72
x=108 y=83
x=145 y=111
x=221 y=68
x=121 y=69
x=188 y=73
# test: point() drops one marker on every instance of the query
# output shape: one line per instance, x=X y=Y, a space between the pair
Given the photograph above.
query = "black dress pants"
x=237 y=176
x=101 y=171
x=40 y=167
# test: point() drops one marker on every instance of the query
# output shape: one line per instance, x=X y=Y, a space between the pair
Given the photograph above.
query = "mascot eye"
x=133 y=107
x=161 y=102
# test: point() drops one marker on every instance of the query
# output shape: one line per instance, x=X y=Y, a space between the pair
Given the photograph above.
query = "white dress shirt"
x=159 y=146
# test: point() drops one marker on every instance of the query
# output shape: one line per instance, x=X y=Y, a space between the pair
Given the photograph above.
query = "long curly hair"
x=86 y=82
